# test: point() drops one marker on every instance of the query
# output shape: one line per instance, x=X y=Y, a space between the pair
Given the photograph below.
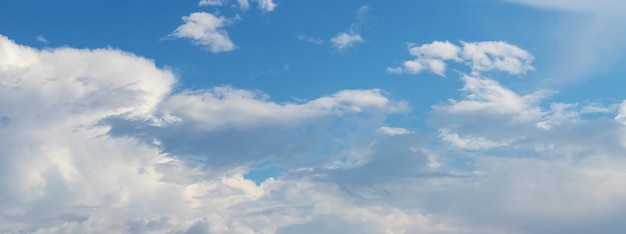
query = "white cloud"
x=469 y=143
x=267 y=5
x=393 y=131
x=443 y=50
x=64 y=168
x=224 y=106
x=497 y=55
x=559 y=113
x=480 y=56
x=394 y=70
x=70 y=174
x=344 y=40
x=311 y=40
x=244 y=5
x=205 y=29
x=488 y=96
x=621 y=116
x=212 y=2
x=352 y=37
x=42 y=39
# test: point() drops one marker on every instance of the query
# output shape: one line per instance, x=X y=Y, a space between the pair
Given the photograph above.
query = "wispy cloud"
x=244 y=5
x=352 y=37
x=312 y=40
x=593 y=46
x=212 y=2
x=42 y=39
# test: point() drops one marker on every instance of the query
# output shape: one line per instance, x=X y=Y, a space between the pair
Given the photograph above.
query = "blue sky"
x=269 y=116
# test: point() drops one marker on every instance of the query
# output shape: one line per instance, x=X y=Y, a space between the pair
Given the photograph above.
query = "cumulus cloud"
x=486 y=96
x=65 y=172
x=205 y=29
x=480 y=56
x=344 y=40
x=96 y=141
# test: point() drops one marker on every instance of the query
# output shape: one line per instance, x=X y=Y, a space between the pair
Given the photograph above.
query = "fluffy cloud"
x=486 y=96
x=205 y=29
x=267 y=5
x=63 y=171
x=480 y=56
x=345 y=40
x=95 y=141
x=497 y=55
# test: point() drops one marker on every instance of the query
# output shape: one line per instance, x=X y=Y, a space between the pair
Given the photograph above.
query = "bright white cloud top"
x=205 y=29
x=482 y=56
x=101 y=139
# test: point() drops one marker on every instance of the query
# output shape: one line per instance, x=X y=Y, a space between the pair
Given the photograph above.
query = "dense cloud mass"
x=97 y=141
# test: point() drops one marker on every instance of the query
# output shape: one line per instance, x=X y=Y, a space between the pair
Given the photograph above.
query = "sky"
x=274 y=116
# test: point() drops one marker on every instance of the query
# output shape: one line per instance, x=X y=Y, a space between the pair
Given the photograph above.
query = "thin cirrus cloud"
x=205 y=29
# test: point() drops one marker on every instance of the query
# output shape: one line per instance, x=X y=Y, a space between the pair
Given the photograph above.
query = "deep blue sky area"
x=269 y=57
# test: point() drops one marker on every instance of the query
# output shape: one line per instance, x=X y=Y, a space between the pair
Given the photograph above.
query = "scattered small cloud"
x=212 y=2
x=42 y=39
x=266 y=5
x=468 y=143
x=344 y=40
x=244 y=5
x=479 y=56
x=312 y=40
x=393 y=131
x=205 y=29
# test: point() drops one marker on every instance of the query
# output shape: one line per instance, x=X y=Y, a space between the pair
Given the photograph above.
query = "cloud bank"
x=97 y=141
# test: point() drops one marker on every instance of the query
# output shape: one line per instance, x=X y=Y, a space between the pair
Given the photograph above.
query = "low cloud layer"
x=97 y=141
